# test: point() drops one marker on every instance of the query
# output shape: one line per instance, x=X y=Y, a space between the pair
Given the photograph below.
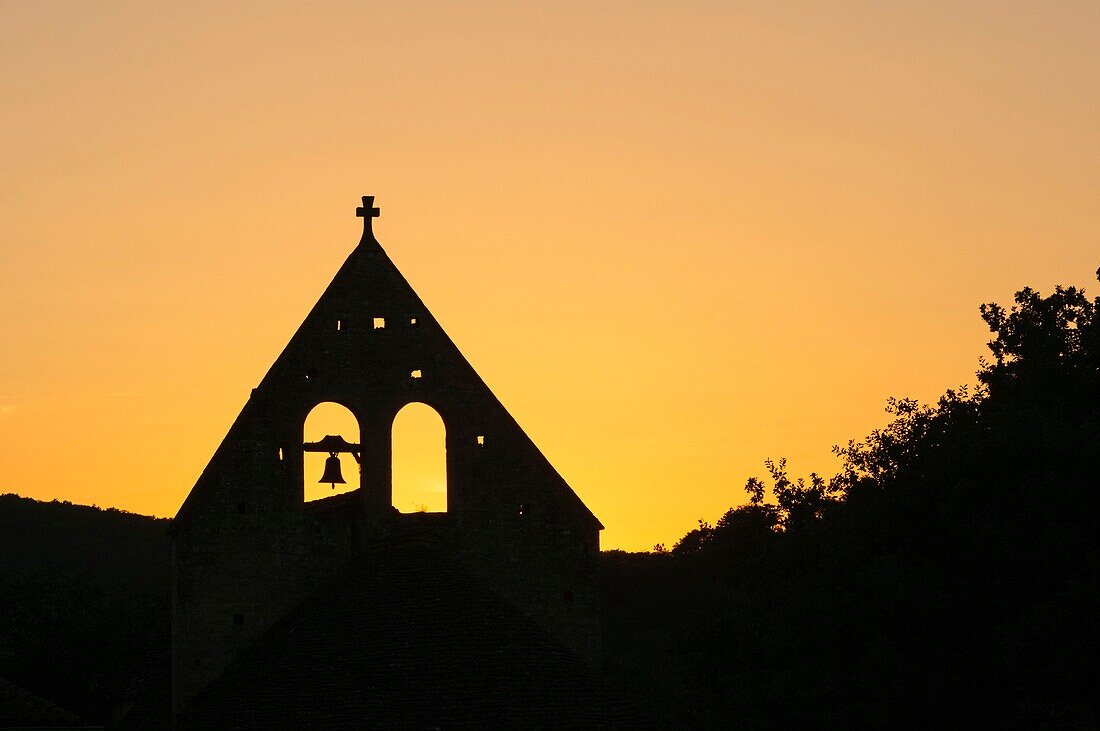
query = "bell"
x=332 y=471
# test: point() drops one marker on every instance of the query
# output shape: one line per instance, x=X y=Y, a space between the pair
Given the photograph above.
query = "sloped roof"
x=20 y=708
x=407 y=639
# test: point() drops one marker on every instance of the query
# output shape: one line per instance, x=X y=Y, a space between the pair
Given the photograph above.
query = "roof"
x=406 y=638
x=20 y=708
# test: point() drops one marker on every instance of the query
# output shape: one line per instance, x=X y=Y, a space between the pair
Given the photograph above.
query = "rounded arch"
x=442 y=404
x=329 y=418
x=419 y=459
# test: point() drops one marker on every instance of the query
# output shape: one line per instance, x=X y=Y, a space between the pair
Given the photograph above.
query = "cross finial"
x=367 y=212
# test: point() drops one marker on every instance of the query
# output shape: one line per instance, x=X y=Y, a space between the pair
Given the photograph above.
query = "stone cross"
x=367 y=212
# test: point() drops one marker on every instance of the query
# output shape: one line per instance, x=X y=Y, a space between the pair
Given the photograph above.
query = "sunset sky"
x=674 y=238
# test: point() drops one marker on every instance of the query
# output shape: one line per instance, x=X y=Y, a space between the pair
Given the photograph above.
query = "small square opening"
x=412 y=321
x=379 y=323
x=417 y=373
x=481 y=440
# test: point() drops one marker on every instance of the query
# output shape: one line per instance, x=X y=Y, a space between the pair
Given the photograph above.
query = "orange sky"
x=674 y=238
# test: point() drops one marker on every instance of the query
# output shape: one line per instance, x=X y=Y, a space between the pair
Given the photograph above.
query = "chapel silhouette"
x=346 y=611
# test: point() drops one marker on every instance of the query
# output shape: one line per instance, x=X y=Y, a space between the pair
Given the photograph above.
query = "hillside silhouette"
x=120 y=550
x=83 y=603
x=945 y=576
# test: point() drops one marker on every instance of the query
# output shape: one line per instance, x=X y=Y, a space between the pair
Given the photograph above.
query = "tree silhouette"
x=945 y=575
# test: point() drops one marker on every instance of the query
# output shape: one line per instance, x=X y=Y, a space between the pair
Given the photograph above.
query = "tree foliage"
x=945 y=574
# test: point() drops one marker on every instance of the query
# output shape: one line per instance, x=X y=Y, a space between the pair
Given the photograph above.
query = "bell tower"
x=248 y=548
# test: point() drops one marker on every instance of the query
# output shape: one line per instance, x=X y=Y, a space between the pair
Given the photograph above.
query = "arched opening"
x=419 y=460
x=329 y=419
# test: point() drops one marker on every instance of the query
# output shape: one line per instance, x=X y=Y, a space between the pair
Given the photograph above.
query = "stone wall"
x=247 y=548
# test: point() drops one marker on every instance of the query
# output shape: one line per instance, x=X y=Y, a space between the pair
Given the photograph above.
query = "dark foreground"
x=946 y=576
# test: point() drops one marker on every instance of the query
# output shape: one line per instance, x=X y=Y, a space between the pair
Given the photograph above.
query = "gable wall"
x=246 y=544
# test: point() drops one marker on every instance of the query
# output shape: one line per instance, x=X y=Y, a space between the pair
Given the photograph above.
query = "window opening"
x=379 y=323
x=335 y=426
x=419 y=482
x=481 y=440
x=417 y=373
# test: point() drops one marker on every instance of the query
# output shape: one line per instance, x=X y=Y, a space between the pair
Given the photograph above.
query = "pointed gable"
x=362 y=341
x=247 y=546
